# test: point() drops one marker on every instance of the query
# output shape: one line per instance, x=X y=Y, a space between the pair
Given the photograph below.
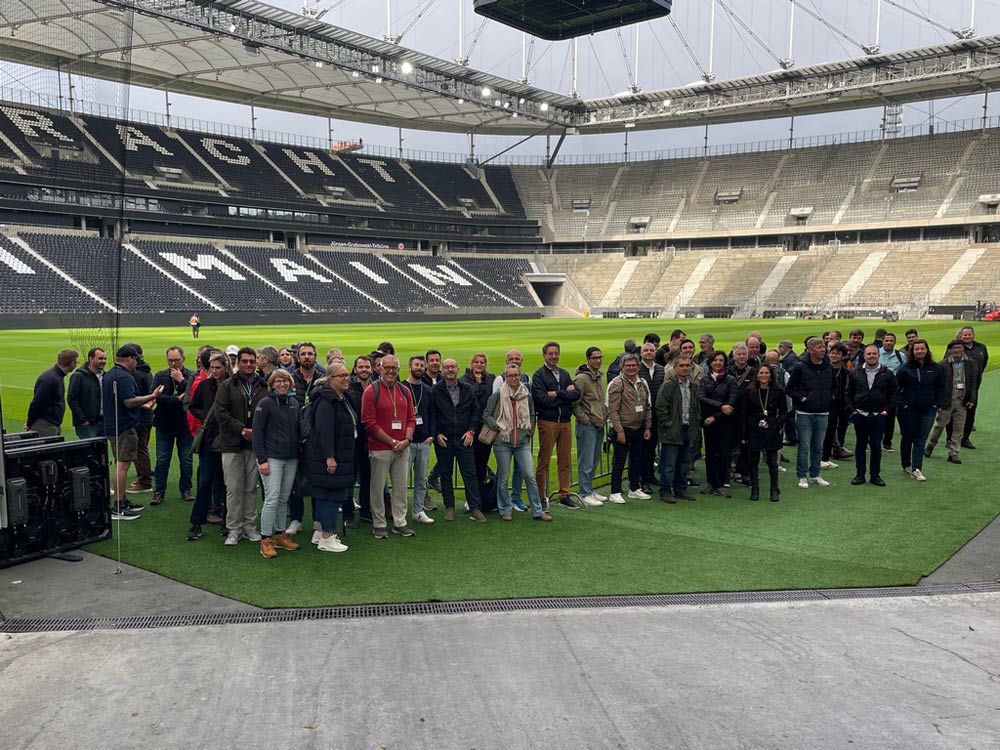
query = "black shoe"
x=888 y=449
x=435 y=484
x=707 y=490
x=858 y=480
x=685 y=496
x=968 y=444
x=647 y=488
x=722 y=492
x=403 y=531
x=350 y=523
x=669 y=499
x=775 y=495
x=755 y=494
x=693 y=482
x=194 y=533
x=129 y=505
x=121 y=513
x=380 y=533
x=782 y=458
x=568 y=502
x=877 y=481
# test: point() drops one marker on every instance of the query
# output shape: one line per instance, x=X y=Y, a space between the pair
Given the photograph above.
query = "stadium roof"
x=251 y=53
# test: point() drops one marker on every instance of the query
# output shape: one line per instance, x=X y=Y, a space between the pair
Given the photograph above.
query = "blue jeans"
x=812 y=430
x=914 y=427
x=165 y=441
x=88 y=431
x=588 y=455
x=420 y=459
x=277 y=487
x=328 y=504
x=211 y=488
x=675 y=463
x=522 y=460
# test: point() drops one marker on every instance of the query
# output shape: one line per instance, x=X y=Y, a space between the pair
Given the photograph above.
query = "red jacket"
x=193 y=422
x=395 y=405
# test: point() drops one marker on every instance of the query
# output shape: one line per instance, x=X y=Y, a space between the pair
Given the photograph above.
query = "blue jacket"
x=811 y=387
x=49 y=401
x=276 y=427
x=127 y=389
x=558 y=408
x=919 y=387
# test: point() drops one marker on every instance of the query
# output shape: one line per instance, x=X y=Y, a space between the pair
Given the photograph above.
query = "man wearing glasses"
x=389 y=419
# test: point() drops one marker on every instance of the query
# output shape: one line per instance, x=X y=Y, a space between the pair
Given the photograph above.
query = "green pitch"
x=839 y=536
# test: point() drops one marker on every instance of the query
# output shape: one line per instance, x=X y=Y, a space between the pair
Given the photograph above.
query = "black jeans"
x=718 y=448
x=463 y=455
x=481 y=454
x=869 y=431
x=211 y=488
x=649 y=451
x=635 y=451
x=772 y=469
x=890 y=425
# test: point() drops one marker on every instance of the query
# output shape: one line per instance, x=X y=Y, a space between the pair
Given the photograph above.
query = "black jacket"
x=48 y=402
x=876 y=399
x=811 y=386
x=84 y=397
x=654 y=380
x=235 y=411
x=303 y=389
x=276 y=427
x=558 y=408
x=200 y=405
x=483 y=389
x=919 y=388
x=972 y=379
x=450 y=420
x=771 y=410
x=332 y=437
x=422 y=407
x=840 y=377
x=143 y=376
x=169 y=414
x=713 y=395
x=980 y=355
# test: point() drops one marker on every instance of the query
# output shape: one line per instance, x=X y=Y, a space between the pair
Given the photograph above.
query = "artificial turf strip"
x=840 y=536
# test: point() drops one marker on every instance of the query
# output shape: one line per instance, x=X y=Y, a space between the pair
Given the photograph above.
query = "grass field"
x=840 y=536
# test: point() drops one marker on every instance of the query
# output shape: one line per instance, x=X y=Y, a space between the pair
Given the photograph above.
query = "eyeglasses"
x=391 y=368
x=343 y=375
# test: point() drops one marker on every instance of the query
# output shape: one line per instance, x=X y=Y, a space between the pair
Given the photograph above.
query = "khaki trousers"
x=396 y=466
x=955 y=414
x=560 y=436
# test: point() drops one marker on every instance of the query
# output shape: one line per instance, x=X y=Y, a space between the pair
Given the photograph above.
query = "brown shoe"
x=139 y=486
x=157 y=499
x=954 y=459
x=506 y=517
x=283 y=541
x=267 y=548
x=477 y=516
x=188 y=497
x=449 y=514
x=543 y=517
x=842 y=453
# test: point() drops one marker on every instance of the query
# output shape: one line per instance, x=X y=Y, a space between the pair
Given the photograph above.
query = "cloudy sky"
x=750 y=37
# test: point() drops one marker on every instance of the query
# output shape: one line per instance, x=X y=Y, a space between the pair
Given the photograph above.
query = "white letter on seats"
x=368 y=272
x=440 y=275
x=307 y=161
x=212 y=145
x=16 y=265
x=289 y=270
x=378 y=166
x=30 y=123
x=193 y=267
x=133 y=138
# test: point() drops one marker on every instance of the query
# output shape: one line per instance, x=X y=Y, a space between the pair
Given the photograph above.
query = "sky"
x=607 y=65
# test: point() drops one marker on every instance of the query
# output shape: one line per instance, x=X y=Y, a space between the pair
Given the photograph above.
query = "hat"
x=232 y=349
x=126 y=351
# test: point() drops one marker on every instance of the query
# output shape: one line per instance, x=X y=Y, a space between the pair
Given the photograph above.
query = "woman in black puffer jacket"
x=482 y=383
x=328 y=460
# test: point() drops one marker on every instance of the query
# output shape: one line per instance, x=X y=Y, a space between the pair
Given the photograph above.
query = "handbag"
x=487 y=435
x=199 y=436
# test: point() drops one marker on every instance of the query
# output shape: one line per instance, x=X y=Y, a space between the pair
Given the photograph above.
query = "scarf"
x=505 y=410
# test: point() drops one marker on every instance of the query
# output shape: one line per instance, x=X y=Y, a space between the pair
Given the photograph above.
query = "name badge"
x=960 y=386
x=420 y=421
x=639 y=407
x=397 y=426
x=762 y=423
x=355 y=434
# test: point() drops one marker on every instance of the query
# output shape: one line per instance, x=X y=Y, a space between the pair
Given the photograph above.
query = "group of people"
x=279 y=419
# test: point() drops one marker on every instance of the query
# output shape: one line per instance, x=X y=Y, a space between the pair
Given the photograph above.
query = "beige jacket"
x=589 y=409
x=623 y=398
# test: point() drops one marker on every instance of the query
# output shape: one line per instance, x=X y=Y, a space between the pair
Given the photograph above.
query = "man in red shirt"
x=388 y=415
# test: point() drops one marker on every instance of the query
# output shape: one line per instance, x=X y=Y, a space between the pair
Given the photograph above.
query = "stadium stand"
x=454 y=186
x=393 y=183
x=217 y=277
x=505 y=273
x=115 y=274
x=29 y=286
x=449 y=281
x=379 y=279
x=501 y=182
x=307 y=281
x=319 y=174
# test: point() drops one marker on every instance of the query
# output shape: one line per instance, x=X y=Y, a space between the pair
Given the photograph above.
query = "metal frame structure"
x=251 y=53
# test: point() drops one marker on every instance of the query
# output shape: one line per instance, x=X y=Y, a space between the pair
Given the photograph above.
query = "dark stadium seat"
x=112 y=272
x=217 y=277
x=501 y=182
x=449 y=281
x=146 y=150
x=392 y=183
x=451 y=183
x=505 y=274
x=318 y=173
x=31 y=287
x=304 y=279
x=369 y=272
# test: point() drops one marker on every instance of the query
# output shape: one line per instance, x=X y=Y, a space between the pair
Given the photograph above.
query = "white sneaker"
x=317 y=535
x=331 y=544
x=598 y=496
x=638 y=495
x=782 y=469
x=919 y=475
x=253 y=535
x=909 y=471
x=819 y=481
x=592 y=502
x=294 y=528
x=828 y=465
x=422 y=517
x=803 y=484
x=234 y=538
x=616 y=498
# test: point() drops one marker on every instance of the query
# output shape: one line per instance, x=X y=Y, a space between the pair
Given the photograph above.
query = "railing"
x=117 y=112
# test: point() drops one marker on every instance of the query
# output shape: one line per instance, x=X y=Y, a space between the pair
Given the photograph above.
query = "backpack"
x=307 y=421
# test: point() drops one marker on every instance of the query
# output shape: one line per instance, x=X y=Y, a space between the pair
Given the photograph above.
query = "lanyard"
x=762 y=402
x=418 y=396
x=354 y=417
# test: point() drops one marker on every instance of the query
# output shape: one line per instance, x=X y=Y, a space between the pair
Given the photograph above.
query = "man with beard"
x=84 y=395
x=420 y=446
x=432 y=376
x=653 y=374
